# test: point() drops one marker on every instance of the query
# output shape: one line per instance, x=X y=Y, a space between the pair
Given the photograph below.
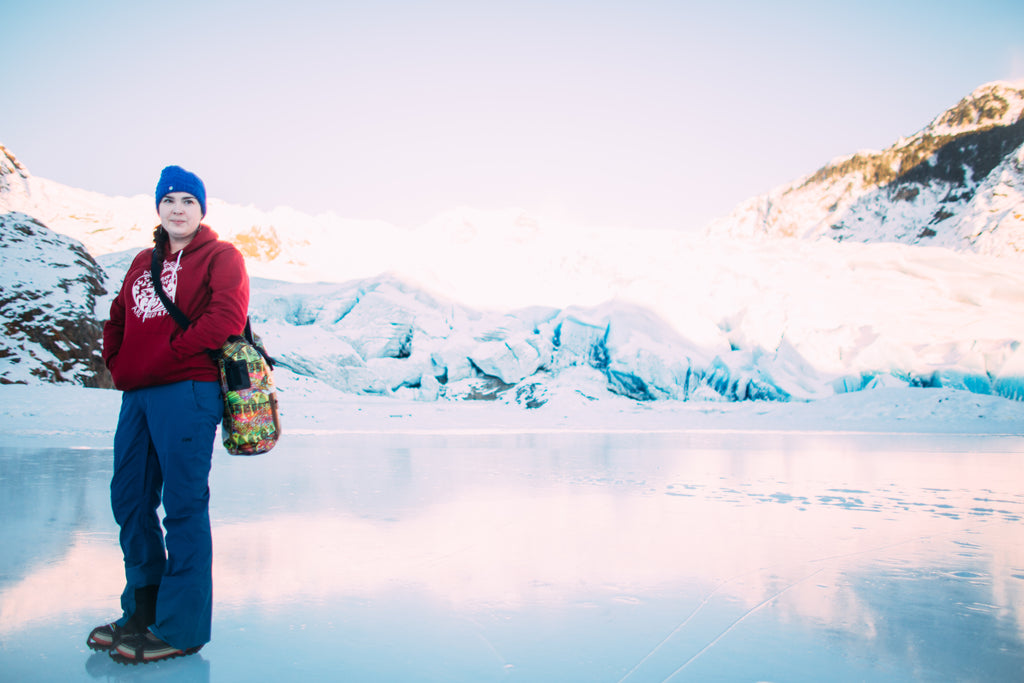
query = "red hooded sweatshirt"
x=142 y=344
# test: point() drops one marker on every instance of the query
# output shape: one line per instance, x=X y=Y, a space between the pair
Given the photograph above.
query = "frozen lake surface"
x=702 y=556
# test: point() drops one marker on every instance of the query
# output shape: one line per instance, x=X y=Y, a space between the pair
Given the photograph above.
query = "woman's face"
x=180 y=215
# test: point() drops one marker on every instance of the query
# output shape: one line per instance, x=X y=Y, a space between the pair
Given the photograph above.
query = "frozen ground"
x=871 y=537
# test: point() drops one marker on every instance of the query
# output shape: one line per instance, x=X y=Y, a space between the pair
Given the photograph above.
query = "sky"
x=613 y=113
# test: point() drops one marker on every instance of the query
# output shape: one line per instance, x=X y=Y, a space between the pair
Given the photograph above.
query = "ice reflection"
x=639 y=557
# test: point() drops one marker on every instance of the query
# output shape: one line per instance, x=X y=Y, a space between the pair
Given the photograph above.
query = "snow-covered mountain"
x=957 y=183
x=512 y=307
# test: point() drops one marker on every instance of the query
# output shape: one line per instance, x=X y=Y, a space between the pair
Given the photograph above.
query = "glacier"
x=656 y=315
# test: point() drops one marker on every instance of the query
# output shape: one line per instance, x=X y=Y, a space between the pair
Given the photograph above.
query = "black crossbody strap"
x=248 y=335
x=155 y=268
x=179 y=317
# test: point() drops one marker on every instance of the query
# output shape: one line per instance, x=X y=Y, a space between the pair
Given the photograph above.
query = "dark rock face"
x=49 y=288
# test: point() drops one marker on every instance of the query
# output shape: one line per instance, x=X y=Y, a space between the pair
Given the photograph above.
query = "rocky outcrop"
x=49 y=290
x=13 y=175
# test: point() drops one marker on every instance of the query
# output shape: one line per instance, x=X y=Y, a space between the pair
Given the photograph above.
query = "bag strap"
x=179 y=317
x=247 y=334
x=155 y=266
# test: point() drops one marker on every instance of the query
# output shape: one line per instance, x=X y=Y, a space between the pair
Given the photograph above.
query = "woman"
x=165 y=432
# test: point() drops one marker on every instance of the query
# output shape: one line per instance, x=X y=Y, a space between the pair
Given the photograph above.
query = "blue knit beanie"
x=177 y=179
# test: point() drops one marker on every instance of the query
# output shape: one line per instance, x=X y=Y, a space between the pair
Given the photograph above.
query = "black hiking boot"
x=108 y=636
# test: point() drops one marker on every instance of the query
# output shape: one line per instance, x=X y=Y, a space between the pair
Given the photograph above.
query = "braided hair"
x=160 y=242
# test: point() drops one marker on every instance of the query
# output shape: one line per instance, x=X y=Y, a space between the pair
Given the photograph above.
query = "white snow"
x=65 y=416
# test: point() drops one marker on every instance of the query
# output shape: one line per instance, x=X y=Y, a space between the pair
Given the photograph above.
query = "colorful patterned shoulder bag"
x=251 y=423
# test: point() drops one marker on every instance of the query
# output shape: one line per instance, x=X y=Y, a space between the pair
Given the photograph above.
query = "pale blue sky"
x=632 y=113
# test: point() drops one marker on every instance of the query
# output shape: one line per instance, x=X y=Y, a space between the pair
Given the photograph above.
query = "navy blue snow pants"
x=163 y=450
